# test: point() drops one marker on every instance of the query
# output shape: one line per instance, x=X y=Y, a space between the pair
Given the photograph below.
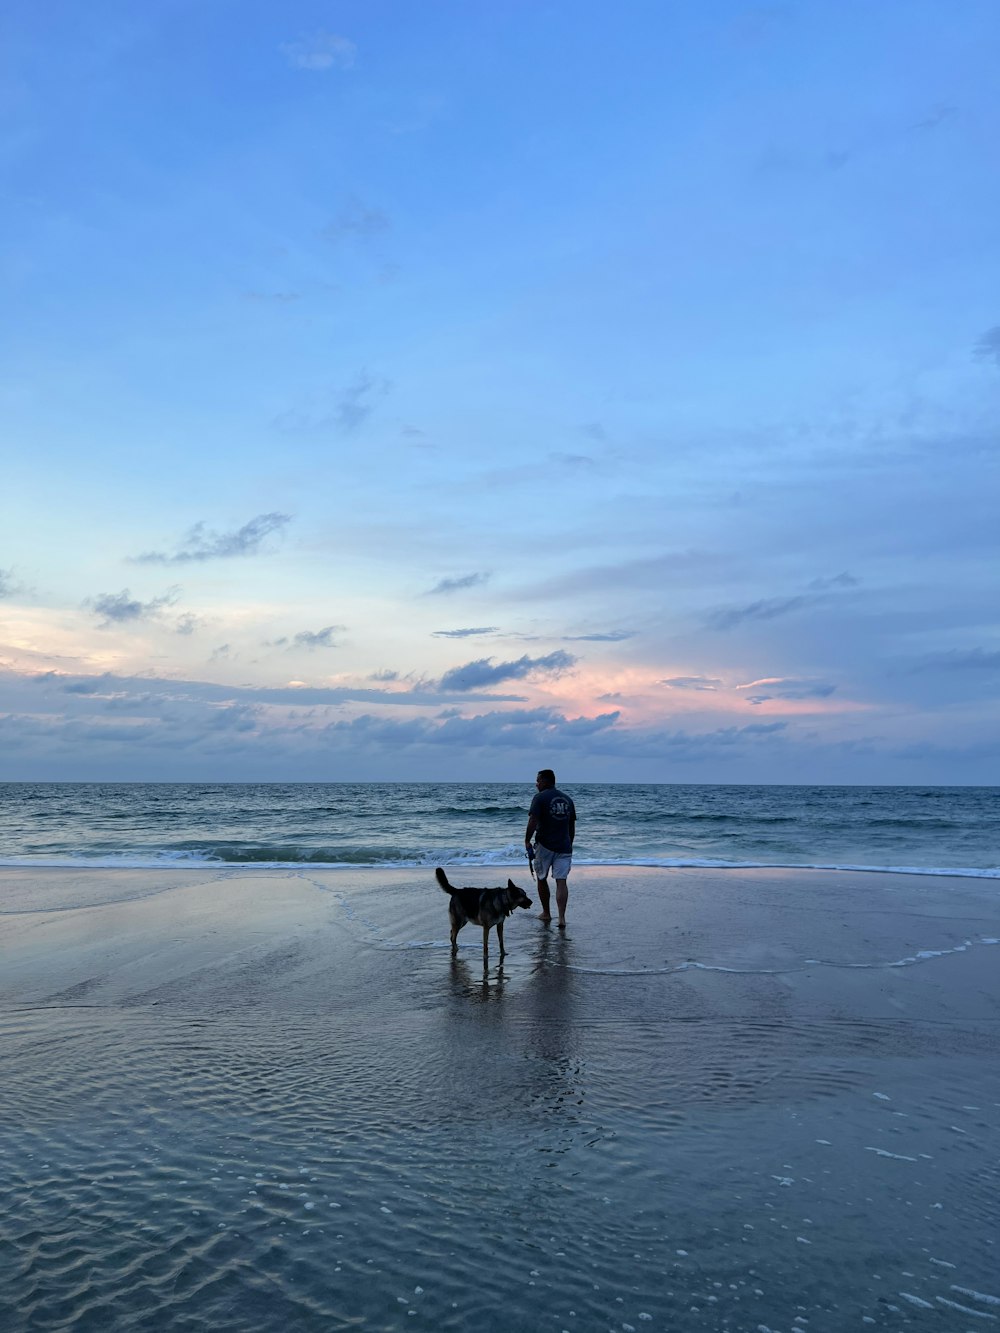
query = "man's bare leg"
x=562 y=898
x=543 y=898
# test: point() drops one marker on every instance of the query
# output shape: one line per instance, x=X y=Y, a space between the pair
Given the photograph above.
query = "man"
x=552 y=823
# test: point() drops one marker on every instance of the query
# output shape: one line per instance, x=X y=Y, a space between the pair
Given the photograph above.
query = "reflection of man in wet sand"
x=552 y=823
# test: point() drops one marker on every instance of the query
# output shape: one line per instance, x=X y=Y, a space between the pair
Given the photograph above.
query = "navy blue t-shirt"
x=555 y=813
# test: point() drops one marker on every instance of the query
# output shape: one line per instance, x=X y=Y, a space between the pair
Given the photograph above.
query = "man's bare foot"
x=561 y=925
x=544 y=916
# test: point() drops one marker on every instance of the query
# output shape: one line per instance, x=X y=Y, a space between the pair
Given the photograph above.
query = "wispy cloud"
x=121 y=608
x=483 y=673
x=424 y=694
x=819 y=592
x=321 y=638
x=273 y=298
x=321 y=52
x=356 y=220
x=611 y=636
x=843 y=580
x=648 y=572
x=202 y=544
x=464 y=633
x=969 y=659
x=785 y=687
x=7 y=585
x=567 y=460
x=692 y=683
x=357 y=400
x=988 y=346
x=768 y=608
x=937 y=116
x=343 y=410
x=458 y=585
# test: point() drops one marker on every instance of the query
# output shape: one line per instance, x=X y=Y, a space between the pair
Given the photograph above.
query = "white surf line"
x=897 y=1156
x=976 y=1295
x=691 y=964
x=916 y=1300
x=965 y=1309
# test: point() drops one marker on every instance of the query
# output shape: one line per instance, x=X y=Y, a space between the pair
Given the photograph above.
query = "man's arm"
x=572 y=828
x=530 y=831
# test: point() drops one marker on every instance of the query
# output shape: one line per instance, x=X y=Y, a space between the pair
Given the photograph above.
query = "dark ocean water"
x=951 y=830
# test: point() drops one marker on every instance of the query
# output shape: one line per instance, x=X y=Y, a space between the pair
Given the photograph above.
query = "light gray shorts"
x=556 y=863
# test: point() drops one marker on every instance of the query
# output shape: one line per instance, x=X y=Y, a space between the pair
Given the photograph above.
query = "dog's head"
x=517 y=897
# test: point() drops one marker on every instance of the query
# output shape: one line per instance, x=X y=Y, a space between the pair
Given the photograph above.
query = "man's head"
x=546 y=778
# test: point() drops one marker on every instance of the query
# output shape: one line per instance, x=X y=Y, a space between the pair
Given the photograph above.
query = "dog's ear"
x=512 y=885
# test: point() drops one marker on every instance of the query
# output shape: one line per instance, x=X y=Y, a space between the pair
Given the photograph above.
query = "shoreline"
x=119 y=935
x=486 y=867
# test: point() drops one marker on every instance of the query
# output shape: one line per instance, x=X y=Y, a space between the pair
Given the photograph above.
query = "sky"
x=441 y=391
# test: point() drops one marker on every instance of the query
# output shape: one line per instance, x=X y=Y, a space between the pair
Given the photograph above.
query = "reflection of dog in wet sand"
x=483 y=907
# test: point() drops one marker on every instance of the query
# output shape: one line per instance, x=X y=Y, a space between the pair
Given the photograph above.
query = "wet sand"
x=720 y=1099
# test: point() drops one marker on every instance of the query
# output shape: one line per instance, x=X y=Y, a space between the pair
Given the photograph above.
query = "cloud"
x=649 y=572
x=202 y=544
x=457 y=585
x=692 y=682
x=612 y=636
x=786 y=687
x=970 y=659
x=422 y=695
x=7 y=586
x=464 y=633
x=530 y=729
x=321 y=52
x=342 y=410
x=595 y=431
x=579 y=461
x=765 y=609
x=121 y=608
x=936 y=117
x=844 y=580
x=482 y=673
x=355 y=402
x=988 y=346
x=356 y=221
x=273 y=298
x=321 y=638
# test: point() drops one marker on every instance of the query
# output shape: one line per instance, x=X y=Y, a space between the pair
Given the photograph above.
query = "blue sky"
x=446 y=390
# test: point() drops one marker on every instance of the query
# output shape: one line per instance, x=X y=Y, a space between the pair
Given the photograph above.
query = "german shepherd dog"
x=484 y=907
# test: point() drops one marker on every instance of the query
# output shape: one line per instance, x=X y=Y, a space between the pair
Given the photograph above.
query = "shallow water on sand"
x=356 y=1131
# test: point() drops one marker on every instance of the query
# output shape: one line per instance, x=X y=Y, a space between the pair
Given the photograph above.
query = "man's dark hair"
x=547 y=776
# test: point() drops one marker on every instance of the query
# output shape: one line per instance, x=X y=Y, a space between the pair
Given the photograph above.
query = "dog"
x=484 y=907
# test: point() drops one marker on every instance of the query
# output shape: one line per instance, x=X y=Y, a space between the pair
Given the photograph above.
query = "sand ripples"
x=478 y=1164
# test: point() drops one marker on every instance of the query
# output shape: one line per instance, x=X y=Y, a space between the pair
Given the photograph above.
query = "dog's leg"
x=486 y=946
x=500 y=938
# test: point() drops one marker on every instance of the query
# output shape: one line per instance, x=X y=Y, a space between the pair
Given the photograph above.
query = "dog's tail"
x=442 y=879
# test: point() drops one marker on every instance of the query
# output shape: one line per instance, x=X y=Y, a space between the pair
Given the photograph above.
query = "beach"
x=260 y=1098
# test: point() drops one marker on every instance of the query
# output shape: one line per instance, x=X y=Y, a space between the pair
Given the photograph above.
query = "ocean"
x=911 y=830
